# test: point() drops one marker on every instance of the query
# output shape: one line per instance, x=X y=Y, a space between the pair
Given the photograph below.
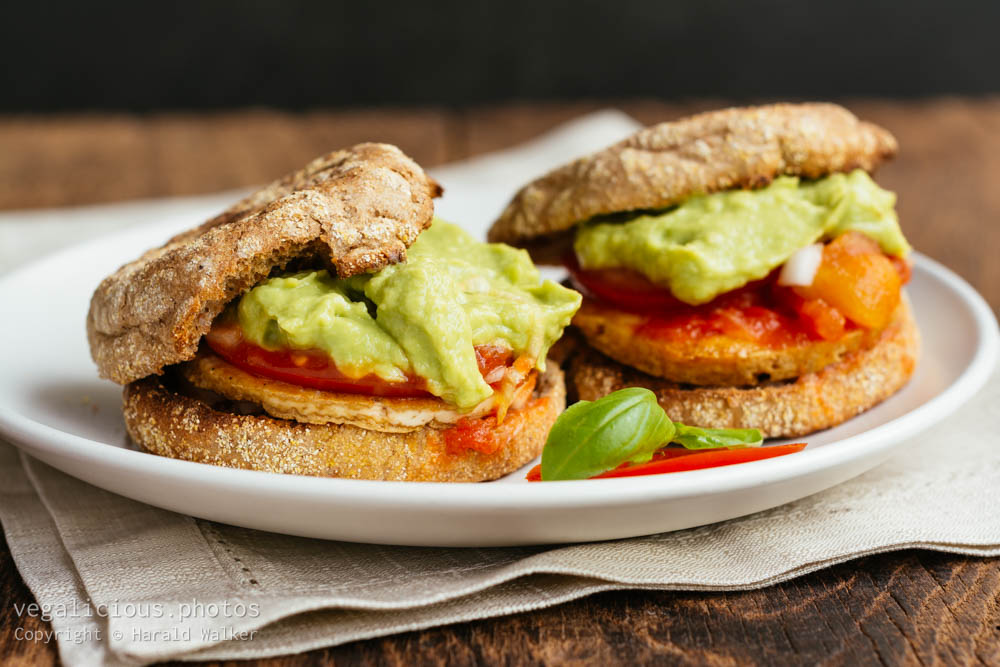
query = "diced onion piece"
x=495 y=375
x=800 y=269
x=504 y=395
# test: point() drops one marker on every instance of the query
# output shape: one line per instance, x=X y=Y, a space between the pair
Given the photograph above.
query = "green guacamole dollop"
x=711 y=244
x=422 y=316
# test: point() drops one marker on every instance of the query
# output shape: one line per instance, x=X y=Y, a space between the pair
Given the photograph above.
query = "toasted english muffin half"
x=792 y=408
x=170 y=421
x=660 y=166
x=355 y=210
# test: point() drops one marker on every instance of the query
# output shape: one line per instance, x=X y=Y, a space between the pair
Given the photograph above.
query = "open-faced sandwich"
x=328 y=325
x=742 y=264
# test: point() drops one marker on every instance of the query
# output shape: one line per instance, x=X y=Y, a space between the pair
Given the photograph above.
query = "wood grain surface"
x=910 y=607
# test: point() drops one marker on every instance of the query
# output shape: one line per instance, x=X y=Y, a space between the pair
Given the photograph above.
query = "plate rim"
x=33 y=436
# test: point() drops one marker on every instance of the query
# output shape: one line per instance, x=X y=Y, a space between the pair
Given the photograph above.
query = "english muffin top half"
x=662 y=165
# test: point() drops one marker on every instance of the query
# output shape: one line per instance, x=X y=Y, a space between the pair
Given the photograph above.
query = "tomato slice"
x=630 y=290
x=623 y=287
x=315 y=369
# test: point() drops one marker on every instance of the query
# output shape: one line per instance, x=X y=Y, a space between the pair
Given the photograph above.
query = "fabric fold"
x=178 y=587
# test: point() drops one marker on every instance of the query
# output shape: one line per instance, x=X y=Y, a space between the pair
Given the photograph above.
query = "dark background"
x=299 y=54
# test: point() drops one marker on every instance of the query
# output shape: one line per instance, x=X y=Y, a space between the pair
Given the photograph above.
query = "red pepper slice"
x=678 y=460
x=711 y=458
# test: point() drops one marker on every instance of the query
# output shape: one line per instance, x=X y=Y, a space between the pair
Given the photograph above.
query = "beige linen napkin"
x=177 y=587
x=126 y=583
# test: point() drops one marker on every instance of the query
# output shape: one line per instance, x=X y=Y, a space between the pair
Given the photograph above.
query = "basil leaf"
x=693 y=437
x=593 y=437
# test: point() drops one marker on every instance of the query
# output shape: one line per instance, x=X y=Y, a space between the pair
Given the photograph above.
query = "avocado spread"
x=419 y=317
x=711 y=244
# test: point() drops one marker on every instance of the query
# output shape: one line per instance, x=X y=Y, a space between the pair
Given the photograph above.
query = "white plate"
x=54 y=407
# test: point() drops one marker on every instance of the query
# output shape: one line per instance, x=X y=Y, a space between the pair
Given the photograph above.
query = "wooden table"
x=911 y=606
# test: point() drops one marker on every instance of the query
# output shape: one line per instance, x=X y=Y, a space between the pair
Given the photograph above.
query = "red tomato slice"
x=622 y=287
x=315 y=369
x=630 y=290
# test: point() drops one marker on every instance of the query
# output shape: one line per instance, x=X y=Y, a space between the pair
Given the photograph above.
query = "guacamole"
x=421 y=317
x=711 y=244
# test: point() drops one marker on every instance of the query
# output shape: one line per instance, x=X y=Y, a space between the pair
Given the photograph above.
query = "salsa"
x=476 y=434
x=856 y=285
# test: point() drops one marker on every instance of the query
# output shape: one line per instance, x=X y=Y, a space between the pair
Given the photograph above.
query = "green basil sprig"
x=693 y=437
x=625 y=426
x=592 y=437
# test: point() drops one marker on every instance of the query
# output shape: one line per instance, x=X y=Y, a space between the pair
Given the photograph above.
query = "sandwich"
x=329 y=325
x=742 y=264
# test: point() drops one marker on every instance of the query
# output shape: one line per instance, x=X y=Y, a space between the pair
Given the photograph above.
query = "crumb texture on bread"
x=356 y=210
x=810 y=403
x=660 y=166
x=178 y=426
